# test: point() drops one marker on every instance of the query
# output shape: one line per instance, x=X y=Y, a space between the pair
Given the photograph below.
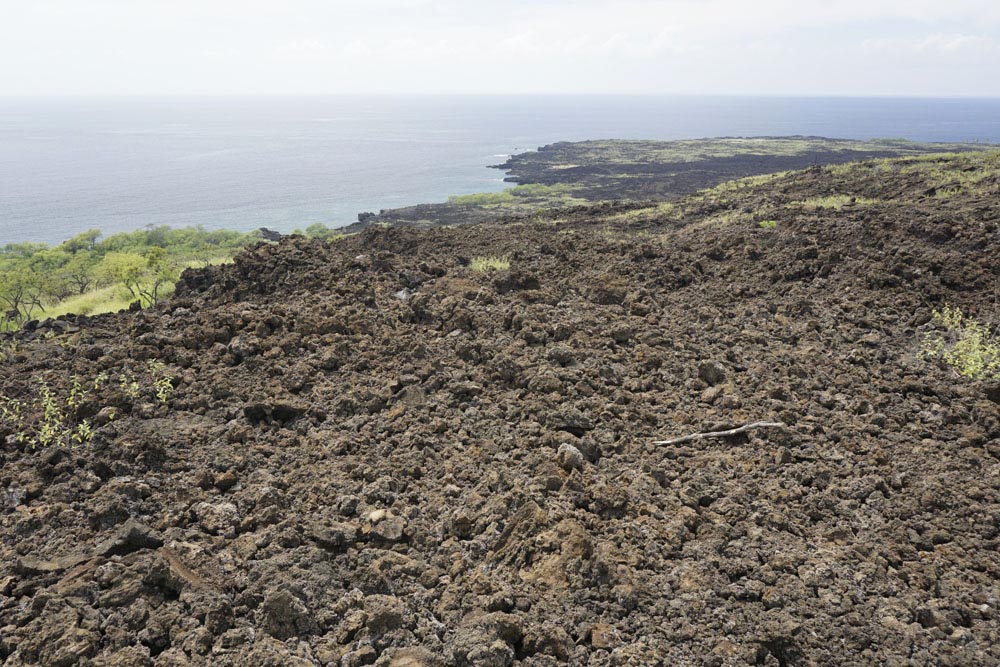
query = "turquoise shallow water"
x=117 y=164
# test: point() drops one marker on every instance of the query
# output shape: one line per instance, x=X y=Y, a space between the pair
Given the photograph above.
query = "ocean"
x=118 y=164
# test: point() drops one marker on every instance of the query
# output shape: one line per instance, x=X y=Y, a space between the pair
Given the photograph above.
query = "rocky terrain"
x=364 y=452
x=568 y=173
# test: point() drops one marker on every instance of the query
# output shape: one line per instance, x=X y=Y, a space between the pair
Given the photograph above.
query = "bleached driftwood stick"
x=719 y=434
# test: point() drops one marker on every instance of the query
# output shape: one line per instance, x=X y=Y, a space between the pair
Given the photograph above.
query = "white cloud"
x=935 y=45
x=204 y=46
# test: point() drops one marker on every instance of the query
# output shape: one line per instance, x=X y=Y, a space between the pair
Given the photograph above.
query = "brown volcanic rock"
x=343 y=477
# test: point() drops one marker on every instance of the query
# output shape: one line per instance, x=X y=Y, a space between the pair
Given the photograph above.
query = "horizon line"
x=102 y=95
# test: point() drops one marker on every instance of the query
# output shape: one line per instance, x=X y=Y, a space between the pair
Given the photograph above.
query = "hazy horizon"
x=265 y=94
x=781 y=48
x=70 y=164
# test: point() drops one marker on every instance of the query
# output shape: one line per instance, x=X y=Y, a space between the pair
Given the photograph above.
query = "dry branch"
x=720 y=434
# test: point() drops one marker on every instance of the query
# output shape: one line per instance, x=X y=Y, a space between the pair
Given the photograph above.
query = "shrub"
x=482 y=264
x=964 y=344
x=767 y=224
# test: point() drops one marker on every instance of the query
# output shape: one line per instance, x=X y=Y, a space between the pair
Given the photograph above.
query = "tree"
x=318 y=230
x=124 y=268
x=82 y=242
x=79 y=271
x=20 y=295
x=47 y=266
x=143 y=276
x=161 y=271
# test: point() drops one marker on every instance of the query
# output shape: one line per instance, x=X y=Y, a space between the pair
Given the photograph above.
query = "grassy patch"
x=768 y=224
x=835 y=202
x=956 y=172
x=102 y=300
x=483 y=264
x=964 y=344
x=483 y=199
x=522 y=198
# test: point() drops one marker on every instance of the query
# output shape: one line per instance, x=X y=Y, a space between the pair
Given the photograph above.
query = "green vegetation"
x=53 y=416
x=768 y=224
x=954 y=173
x=88 y=274
x=483 y=264
x=963 y=343
x=568 y=174
x=565 y=156
x=835 y=201
x=530 y=196
x=320 y=231
x=665 y=210
x=738 y=186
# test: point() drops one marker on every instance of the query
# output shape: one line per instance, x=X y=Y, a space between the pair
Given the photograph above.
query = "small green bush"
x=964 y=344
x=483 y=264
x=767 y=224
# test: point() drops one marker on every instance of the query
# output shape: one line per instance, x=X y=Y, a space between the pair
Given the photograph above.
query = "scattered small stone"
x=225 y=481
x=462 y=523
x=363 y=655
x=144 y=410
x=283 y=616
x=334 y=536
x=14 y=496
x=411 y=657
x=348 y=505
x=712 y=372
x=412 y=396
x=29 y=565
x=385 y=526
x=569 y=457
x=235 y=638
x=72 y=648
x=203 y=480
x=712 y=394
x=548 y=639
x=106 y=415
x=385 y=613
x=132 y=536
x=604 y=635
x=217 y=518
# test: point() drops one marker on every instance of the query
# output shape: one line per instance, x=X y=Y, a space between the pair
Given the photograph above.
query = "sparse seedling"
x=49 y=416
x=77 y=393
x=53 y=424
x=964 y=344
x=99 y=380
x=8 y=349
x=82 y=433
x=12 y=415
x=129 y=385
x=767 y=224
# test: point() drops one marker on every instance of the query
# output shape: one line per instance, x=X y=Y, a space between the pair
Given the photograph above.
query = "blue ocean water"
x=67 y=165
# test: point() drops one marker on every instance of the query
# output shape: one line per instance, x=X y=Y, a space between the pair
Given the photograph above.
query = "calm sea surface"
x=68 y=165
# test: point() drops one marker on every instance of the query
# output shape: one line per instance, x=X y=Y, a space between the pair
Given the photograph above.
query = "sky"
x=241 y=47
